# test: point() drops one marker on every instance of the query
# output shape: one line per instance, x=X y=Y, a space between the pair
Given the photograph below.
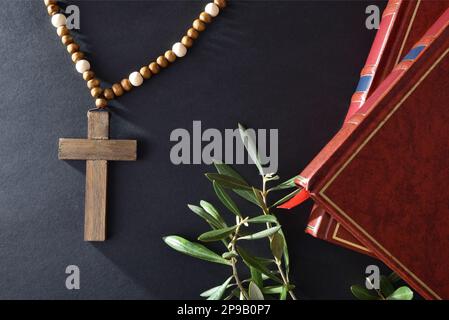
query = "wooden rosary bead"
x=220 y=3
x=67 y=39
x=108 y=94
x=49 y=2
x=118 y=89
x=212 y=9
x=154 y=68
x=72 y=48
x=170 y=56
x=135 y=79
x=58 y=20
x=126 y=85
x=88 y=75
x=199 y=25
x=77 y=56
x=179 y=49
x=62 y=31
x=162 y=62
x=52 y=9
x=205 y=17
x=192 y=33
x=145 y=72
x=82 y=66
x=92 y=83
x=101 y=103
x=96 y=92
x=187 y=41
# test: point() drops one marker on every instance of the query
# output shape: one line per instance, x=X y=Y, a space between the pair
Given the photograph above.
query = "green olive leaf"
x=226 y=199
x=227 y=181
x=277 y=246
x=227 y=170
x=256 y=277
x=218 y=293
x=285 y=198
x=210 y=209
x=216 y=235
x=254 y=292
x=363 y=293
x=266 y=218
x=250 y=145
x=402 y=293
x=386 y=287
x=206 y=216
x=290 y=183
x=284 y=292
x=260 y=202
x=261 y=234
x=252 y=261
x=195 y=250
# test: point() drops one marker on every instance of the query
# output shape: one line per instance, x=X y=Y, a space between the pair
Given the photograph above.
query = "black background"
x=287 y=65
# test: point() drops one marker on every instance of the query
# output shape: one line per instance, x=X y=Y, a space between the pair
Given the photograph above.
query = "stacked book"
x=380 y=185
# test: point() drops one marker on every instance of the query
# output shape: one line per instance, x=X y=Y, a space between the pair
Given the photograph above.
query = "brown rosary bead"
x=52 y=9
x=77 y=56
x=67 y=39
x=88 y=75
x=162 y=61
x=62 y=31
x=192 y=33
x=199 y=25
x=126 y=85
x=49 y=2
x=170 y=56
x=101 y=103
x=92 y=83
x=187 y=41
x=145 y=72
x=220 y=3
x=72 y=48
x=205 y=17
x=108 y=94
x=118 y=90
x=96 y=92
x=154 y=68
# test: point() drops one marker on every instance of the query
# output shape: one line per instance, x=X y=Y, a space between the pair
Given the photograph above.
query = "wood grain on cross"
x=97 y=150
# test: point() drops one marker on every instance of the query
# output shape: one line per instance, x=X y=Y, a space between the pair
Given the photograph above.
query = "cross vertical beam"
x=96 y=180
x=97 y=150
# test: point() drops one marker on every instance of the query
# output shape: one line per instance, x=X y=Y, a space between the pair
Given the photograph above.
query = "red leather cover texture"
x=394 y=151
x=412 y=19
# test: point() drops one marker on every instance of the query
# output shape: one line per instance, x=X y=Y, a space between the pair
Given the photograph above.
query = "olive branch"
x=267 y=277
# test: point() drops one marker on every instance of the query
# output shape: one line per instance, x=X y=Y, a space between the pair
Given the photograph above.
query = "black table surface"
x=286 y=65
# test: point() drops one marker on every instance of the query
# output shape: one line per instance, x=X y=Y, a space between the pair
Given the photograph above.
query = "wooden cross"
x=97 y=150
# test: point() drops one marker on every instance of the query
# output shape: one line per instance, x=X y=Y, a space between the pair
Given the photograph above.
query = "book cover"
x=394 y=152
x=403 y=23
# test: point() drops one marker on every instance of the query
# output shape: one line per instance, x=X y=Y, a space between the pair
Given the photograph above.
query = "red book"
x=395 y=152
x=403 y=23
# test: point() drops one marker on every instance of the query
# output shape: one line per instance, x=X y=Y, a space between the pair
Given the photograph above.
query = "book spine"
x=319 y=218
x=372 y=62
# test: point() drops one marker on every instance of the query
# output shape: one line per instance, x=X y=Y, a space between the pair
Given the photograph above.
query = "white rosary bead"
x=135 y=78
x=58 y=20
x=82 y=66
x=212 y=9
x=179 y=49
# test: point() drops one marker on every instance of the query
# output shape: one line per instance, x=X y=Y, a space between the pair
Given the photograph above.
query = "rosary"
x=97 y=149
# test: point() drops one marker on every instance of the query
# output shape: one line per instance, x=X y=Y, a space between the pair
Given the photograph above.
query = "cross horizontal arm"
x=92 y=149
